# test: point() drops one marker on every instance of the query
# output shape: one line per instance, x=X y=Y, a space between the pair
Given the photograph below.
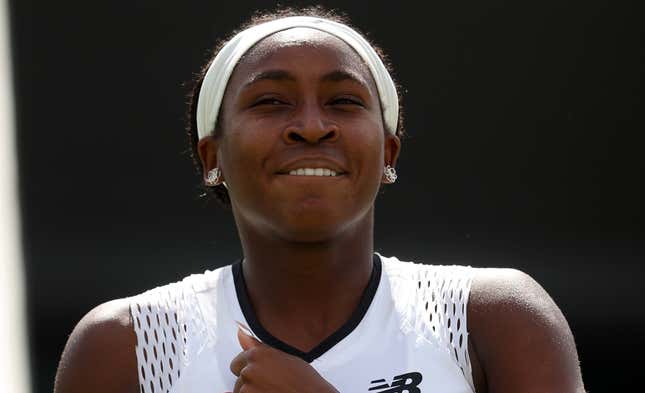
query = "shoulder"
x=518 y=335
x=100 y=353
x=512 y=290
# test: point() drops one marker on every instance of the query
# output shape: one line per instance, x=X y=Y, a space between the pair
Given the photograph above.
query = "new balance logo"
x=401 y=383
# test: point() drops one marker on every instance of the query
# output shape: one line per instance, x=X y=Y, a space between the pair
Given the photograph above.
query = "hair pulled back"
x=219 y=192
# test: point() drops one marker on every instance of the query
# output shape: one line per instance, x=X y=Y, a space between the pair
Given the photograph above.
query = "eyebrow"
x=341 y=75
x=273 y=75
x=282 y=75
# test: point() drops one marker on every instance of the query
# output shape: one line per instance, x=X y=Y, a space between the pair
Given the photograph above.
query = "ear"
x=392 y=147
x=207 y=149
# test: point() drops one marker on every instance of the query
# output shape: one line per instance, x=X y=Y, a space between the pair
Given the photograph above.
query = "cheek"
x=245 y=149
x=366 y=149
x=369 y=145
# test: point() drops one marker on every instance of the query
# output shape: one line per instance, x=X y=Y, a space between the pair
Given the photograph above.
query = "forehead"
x=292 y=47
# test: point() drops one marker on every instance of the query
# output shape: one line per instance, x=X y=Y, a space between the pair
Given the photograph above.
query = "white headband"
x=220 y=70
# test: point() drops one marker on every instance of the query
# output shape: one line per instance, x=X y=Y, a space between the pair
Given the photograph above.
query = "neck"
x=314 y=286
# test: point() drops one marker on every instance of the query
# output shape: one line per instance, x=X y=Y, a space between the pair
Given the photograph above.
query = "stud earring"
x=213 y=177
x=389 y=174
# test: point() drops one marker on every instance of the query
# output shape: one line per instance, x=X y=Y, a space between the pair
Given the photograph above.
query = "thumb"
x=246 y=341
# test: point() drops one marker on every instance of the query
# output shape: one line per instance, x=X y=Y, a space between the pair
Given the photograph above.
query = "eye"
x=269 y=101
x=347 y=101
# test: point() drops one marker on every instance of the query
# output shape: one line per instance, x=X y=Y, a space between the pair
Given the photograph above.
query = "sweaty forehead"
x=336 y=50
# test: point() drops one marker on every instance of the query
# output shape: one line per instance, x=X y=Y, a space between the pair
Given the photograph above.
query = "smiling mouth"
x=319 y=172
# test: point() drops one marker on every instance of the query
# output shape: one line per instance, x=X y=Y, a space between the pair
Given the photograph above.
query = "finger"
x=246 y=329
x=246 y=342
x=238 y=385
x=238 y=363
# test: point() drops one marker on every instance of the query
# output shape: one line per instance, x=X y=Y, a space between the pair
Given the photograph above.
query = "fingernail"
x=245 y=329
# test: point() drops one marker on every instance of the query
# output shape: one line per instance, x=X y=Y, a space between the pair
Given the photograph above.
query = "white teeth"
x=312 y=172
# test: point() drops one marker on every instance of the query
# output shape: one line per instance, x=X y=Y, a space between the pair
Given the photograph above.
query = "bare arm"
x=100 y=355
x=521 y=342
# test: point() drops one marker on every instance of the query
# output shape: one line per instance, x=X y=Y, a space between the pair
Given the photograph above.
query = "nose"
x=310 y=126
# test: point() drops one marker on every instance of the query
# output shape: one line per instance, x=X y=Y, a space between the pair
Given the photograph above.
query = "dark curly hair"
x=219 y=192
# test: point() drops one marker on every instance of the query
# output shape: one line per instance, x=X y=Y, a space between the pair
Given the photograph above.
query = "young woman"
x=296 y=124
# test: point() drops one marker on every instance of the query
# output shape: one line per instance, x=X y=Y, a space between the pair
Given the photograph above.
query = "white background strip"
x=14 y=374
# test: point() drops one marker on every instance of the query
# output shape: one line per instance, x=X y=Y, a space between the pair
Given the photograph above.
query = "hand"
x=262 y=369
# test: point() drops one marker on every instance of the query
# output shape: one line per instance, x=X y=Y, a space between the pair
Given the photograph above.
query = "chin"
x=316 y=225
x=313 y=236
x=311 y=226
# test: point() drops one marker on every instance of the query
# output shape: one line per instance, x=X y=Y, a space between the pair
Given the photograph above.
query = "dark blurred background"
x=524 y=151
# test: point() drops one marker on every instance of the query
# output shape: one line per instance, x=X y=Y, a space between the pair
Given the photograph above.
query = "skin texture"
x=302 y=98
x=99 y=355
x=520 y=341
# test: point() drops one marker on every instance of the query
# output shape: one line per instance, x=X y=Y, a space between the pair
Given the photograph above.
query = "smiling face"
x=300 y=107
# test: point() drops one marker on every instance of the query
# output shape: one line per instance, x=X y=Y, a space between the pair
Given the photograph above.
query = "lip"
x=312 y=163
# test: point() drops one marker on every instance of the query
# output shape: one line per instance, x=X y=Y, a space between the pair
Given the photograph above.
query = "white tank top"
x=408 y=334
